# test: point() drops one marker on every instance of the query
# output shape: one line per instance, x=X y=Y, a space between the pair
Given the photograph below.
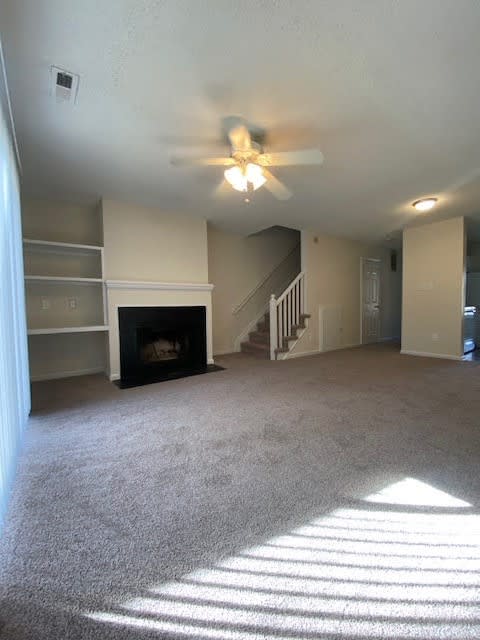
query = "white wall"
x=332 y=268
x=236 y=265
x=433 y=288
x=153 y=245
x=14 y=383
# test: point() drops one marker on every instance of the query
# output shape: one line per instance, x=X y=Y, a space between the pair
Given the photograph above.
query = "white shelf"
x=60 y=246
x=63 y=279
x=87 y=329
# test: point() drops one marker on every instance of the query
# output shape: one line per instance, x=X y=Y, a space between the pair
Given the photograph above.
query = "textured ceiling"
x=389 y=90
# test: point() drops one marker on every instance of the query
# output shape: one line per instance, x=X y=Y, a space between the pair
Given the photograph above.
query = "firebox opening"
x=161 y=343
x=161 y=346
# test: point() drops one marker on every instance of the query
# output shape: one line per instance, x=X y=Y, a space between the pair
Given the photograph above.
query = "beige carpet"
x=233 y=505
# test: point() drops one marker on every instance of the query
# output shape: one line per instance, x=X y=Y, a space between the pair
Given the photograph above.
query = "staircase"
x=282 y=326
x=258 y=343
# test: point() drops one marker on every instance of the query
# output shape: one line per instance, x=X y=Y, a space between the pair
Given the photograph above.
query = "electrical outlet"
x=72 y=303
x=435 y=337
x=45 y=304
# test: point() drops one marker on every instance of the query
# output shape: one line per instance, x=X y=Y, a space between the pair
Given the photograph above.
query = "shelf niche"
x=56 y=259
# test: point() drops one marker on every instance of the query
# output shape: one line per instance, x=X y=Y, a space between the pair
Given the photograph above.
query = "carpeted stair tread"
x=255 y=349
x=262 y=337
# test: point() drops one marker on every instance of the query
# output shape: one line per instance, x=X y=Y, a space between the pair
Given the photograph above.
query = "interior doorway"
x=370 y=296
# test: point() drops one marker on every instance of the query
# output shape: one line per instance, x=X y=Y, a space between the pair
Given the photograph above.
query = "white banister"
x=286 y=312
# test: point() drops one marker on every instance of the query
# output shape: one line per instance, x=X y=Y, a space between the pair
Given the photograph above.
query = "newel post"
x=273 y=326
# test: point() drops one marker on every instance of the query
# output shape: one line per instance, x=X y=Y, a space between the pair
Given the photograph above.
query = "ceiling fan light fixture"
x=424 y=204
x=254 y=175
x=236 y=178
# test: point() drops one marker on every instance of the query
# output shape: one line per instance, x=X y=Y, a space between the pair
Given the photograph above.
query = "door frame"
x=363 y=259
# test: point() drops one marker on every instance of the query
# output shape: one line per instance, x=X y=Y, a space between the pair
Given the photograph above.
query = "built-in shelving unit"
x=65 y=290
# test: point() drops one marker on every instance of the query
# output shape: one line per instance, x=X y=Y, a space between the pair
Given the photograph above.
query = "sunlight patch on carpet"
x=372 y=571
x=411 y=491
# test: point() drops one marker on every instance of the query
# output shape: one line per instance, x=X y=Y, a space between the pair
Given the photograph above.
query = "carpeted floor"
x=233 y=505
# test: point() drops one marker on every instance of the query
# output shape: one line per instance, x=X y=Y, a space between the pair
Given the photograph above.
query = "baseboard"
x=342 y=346
x=300 y=354
x=56 y=375
x=426 y=354
x=210 y=361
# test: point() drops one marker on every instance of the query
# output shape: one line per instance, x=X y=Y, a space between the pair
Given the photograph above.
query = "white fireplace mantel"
x=159 y=286
x=126 y=293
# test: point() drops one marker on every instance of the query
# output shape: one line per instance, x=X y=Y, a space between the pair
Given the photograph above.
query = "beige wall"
x=332 y=268
x=61 y=222
x=63 y=355
x=149 y=244
x=237 y=264
x=433 y=288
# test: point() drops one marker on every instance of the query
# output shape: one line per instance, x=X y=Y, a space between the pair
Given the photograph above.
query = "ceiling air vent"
x=63 y=85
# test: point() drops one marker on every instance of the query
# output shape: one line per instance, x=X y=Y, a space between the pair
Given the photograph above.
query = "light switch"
x=45 y=304
x=72 y=303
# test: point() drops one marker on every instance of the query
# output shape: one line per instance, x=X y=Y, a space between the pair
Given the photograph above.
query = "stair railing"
x=286 y=314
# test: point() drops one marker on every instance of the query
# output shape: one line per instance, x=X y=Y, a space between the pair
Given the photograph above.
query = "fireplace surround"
x=161 y=343
x=128 y=293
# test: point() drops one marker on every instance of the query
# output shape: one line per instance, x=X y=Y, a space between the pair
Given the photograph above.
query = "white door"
x=371 y=278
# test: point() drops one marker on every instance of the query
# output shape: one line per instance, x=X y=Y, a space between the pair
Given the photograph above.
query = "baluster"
x=285 y=329
x=296 y=302
x=280 y=323
x=292 y=301
x=298 y=312
x=273 y=325
x=286 y=314
x=302 y=306
x=292 y=309
x=289 y=307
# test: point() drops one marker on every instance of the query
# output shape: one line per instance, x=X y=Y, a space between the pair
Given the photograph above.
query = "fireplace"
x=161 y=343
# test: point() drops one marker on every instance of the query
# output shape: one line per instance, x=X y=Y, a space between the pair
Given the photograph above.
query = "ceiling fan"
x=248 y=165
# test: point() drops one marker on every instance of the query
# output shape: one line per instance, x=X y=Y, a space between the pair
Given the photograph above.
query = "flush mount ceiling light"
x=425 y=204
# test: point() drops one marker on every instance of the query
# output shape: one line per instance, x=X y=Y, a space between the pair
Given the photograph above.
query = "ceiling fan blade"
x=276 y=187
x=286 y=158
x=203 y=162
x=240 y=138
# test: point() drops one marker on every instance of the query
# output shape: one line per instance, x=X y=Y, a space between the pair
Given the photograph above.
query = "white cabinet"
x=65 y=293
